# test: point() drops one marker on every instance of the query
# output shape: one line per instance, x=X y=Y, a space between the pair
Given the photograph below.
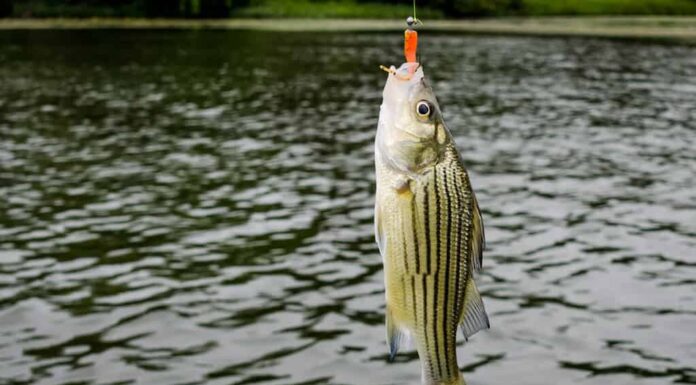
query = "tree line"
x=220 y=8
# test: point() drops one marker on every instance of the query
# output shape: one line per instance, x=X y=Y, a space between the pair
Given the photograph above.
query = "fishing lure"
x=410 y=49
x=410 y=40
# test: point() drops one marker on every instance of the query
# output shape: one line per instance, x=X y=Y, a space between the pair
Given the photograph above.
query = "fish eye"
x=423 y=109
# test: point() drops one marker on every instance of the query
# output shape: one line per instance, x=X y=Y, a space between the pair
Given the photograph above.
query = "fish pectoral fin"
x=474 y=317
x=395 y=336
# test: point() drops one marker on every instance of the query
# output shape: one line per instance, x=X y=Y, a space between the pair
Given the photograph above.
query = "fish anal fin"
x=395 y=335
x=474 y=317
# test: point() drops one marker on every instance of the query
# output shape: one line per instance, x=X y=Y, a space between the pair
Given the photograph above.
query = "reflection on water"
x=196 y=207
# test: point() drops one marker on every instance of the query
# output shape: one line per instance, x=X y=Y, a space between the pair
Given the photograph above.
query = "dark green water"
x=195 y=207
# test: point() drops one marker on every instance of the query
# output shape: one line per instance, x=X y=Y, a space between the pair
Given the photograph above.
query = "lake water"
x=195 y=207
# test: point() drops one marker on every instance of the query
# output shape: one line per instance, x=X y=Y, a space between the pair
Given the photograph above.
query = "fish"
x=428 y=228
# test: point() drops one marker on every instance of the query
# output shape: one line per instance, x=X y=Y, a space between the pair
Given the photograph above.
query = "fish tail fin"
x=395 y=335
x=474 y=317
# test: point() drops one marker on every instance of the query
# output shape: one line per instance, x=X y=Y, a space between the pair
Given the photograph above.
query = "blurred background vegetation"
x=338 y=8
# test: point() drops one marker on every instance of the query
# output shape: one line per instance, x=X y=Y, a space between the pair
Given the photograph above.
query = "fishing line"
x=414 y=11
x=415 y=17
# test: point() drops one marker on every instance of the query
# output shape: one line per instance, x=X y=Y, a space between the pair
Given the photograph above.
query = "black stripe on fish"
x=413 y=299
x=458 y=302
x=403 y=242
x=426 y=216
x=448 y=260
x=436 y=275
x=414 y=221
x=424 y=281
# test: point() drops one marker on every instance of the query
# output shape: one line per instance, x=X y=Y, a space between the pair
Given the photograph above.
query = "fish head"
x=411 y=130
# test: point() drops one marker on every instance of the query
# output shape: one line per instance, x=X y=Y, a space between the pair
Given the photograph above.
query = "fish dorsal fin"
x=474 y=317
x=395 y=336
x=478 y=236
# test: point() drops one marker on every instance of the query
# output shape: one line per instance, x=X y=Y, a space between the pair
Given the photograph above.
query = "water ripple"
x=195 y=207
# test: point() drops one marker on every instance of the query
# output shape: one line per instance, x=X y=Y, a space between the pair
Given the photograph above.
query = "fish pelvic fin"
x=395 y=335
x=474 y=317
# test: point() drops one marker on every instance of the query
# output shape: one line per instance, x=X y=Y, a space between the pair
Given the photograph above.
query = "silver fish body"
x=428 y=228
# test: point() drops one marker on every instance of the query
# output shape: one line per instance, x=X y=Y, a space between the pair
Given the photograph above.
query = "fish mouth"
x=404 y=73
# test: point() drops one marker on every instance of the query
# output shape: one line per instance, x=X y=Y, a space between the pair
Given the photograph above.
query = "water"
x=195 y=207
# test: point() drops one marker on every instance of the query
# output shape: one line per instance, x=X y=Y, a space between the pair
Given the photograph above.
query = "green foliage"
x=476 y=7
x=76 y=8
x=188 y=8
x=610 y=7
x=333 y=9
x=160 y=8
x=125 y=8
x=385 y=9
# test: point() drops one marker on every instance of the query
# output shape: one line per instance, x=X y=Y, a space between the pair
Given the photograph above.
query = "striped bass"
x=428 y=228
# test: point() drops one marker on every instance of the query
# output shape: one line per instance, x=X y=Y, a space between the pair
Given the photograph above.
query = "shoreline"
x=681 y=28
